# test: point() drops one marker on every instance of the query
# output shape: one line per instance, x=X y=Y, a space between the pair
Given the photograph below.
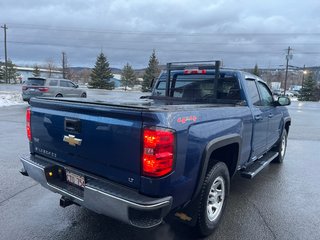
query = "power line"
x=150 y=48
x=112 y=31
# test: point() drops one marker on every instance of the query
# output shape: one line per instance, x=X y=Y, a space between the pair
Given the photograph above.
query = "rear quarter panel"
x=192 y=137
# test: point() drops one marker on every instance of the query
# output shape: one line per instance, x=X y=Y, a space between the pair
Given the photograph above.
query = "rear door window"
x=35 y=82
x=253 y=91
x=53 y=83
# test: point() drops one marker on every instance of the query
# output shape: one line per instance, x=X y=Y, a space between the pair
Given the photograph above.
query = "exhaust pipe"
x=65 y=202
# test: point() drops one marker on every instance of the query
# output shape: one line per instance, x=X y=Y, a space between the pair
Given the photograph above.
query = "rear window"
x=35 y=82
x=200 y=87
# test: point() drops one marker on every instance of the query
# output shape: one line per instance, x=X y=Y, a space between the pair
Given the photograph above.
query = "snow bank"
x=10 y=98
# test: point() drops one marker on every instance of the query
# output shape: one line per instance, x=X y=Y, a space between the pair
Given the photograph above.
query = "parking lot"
x=282 y=202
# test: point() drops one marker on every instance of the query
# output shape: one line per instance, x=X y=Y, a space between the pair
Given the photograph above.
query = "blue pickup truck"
x=168 y=154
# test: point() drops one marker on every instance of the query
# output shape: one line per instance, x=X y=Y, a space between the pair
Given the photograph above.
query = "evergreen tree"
x=152 y=72
x=101 y=74
x=1 y=73
x=11 y=71
x=308 y=91
x=36 y=71
x=256 y=70
x=128 y=77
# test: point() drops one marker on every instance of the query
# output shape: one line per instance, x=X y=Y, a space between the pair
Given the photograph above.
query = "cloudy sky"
x=240 y=32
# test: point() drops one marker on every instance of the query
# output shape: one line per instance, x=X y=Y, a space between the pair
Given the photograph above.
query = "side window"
x=70 y=84
x=53 y=83
x=253 y=91
x=63 y=83
x=266 y=96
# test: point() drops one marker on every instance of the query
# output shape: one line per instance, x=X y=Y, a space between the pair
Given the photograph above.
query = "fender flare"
x=212 y=146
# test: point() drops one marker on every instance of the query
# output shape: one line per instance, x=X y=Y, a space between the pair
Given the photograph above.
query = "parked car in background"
x=295 y=93
x=50 y=87
x=289 y=94
x=277 y=92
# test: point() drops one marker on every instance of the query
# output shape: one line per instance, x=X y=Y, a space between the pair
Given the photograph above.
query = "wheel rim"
x=215 y=198
x=283 y=146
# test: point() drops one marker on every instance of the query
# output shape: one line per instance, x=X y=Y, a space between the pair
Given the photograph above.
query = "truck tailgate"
x=102 y=140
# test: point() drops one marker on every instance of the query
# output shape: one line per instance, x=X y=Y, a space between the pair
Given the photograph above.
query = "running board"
x=258 y=165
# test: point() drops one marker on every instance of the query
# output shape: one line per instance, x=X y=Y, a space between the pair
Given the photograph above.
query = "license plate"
x=75 y=179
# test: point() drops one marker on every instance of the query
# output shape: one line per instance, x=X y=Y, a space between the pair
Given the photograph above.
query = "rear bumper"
x=101 y=196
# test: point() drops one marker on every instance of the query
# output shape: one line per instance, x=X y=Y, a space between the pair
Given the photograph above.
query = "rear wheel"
x=84 y=95
x=59 y=95
x=281 y=147
x=213 y=198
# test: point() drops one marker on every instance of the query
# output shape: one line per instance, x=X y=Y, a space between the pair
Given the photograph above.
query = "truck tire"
x=213 y=196
x=281 y=147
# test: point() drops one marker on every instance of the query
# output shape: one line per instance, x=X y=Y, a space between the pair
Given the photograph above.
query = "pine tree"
x=101 y=74
x=152 y=72
x=1 y=73
x=256 y=70
x=11 y=71
x=308 y=91
x=128 y=77
x=36 y=71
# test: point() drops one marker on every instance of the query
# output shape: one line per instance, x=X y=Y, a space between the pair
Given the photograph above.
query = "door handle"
x=258 y=117
x=270 y=115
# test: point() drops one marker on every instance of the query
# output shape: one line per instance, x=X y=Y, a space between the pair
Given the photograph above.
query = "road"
x=282 y=202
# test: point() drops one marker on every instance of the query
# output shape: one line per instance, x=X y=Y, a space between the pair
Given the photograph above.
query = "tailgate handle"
x=72 y=125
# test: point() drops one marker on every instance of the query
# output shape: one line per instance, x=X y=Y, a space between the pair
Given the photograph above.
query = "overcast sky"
x=240 y=32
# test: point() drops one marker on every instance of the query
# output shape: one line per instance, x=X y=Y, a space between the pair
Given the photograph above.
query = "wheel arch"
x=287 y=123
x=227 y=146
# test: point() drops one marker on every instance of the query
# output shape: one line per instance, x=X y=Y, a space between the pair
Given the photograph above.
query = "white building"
x=26 y=72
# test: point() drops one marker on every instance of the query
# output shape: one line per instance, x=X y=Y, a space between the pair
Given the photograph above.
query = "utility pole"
x=63 y=65
x=288 y=56
x=303 y=73
x=5 y=52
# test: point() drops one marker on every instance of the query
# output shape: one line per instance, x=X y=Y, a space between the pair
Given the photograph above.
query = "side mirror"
x=76 y=85
x=284 y=101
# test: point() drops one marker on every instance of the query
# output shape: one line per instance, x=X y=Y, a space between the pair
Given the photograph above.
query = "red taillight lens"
x=28 y=123
x=43 y=89
x=158 y=152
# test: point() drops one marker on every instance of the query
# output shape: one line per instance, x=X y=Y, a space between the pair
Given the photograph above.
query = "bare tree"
x=50 y=65
x=84 y=75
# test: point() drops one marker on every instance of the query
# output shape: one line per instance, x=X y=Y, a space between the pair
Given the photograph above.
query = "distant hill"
x=139 y=72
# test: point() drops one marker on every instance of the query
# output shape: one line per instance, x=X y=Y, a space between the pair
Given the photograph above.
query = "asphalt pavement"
x=282 y=202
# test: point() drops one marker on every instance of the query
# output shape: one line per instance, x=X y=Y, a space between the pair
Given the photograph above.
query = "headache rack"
x=201 y=65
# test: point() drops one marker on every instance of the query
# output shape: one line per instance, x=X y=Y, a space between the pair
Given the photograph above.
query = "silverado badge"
x=72 y=140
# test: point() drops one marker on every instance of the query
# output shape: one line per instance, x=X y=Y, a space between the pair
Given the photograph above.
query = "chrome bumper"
x=101 y=196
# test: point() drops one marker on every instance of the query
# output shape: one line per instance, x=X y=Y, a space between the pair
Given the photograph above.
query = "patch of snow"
x=8 y=98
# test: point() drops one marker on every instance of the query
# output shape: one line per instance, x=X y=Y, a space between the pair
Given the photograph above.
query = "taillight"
x=158 y=152
x=195 y=71
x=28 y=123
x=43 y=89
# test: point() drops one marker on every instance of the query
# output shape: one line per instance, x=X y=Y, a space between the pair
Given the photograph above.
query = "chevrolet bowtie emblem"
x=72 y=140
